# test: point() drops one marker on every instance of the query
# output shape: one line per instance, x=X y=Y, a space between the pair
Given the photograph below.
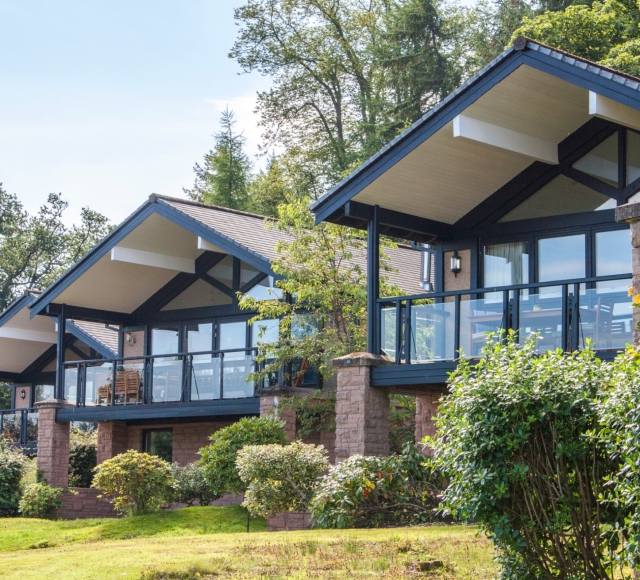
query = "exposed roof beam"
x=476 y=130
x=120 y=254
x=611 y=110
x=31 y=335
x=205 y=245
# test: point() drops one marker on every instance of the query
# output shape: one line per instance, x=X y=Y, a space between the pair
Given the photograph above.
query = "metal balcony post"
x=373 y=283
x=60 y=354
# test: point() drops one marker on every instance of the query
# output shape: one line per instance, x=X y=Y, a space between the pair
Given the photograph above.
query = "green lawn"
x=211 y=543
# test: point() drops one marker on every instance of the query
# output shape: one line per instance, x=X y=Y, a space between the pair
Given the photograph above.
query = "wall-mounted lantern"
x=131 y=339
x=23 y=394
x=456 y=263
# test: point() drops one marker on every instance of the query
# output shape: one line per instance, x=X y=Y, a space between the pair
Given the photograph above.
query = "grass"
x=210 y=543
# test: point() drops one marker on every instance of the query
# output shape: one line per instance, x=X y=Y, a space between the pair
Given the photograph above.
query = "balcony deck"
x=426 y=334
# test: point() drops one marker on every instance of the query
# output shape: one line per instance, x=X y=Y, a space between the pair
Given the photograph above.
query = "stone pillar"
x=112 y=439
x=426 y=411
x=53 y=443
x=270 y=405
x=362 y=412
x=630 y=213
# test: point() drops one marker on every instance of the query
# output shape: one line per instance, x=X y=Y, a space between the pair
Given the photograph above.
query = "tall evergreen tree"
x=224 y=177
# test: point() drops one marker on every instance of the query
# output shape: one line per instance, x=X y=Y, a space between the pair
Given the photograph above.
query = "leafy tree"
x=5 y=396
x=13 y=465
x=331 y=63
x=36 y=249
x=280 y=478
x=83 y=456
x=607 y=32
x=516 y=438
x=224 y=177
x=323 y=268
x=219 y=458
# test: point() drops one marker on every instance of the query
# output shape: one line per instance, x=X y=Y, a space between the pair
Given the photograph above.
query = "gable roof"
x=172 y=225
x=551 y=73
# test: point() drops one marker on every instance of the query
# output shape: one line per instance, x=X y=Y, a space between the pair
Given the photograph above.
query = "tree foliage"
x=375 y=491
x=280 y=478
x=36 y=249
x=323 y=268
x=219 y=458
x=517 y=439
x=224 y=177
x=12 y=466
x=135 y=483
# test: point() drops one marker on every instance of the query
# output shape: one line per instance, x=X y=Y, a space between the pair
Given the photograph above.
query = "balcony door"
x=167 y=371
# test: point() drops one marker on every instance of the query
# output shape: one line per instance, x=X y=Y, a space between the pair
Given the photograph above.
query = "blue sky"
x=107 y=102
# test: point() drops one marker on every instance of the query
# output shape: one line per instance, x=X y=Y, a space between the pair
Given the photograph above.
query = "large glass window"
x=506 y=264
x=159 y=442
x=205 y=370
x=265 y=331
x=613 y=255
x=44 y=392
x=561 y=258
x=223 y=271
x=167 y=371
x=236 y=366
x=265 y=290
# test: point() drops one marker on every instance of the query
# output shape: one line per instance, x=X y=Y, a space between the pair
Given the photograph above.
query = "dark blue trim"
x=89 y=314
x=214 y=409
x=97 y=252
x=90 y=341
x=213 y=236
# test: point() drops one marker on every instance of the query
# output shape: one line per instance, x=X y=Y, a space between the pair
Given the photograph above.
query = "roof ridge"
x=210 y=206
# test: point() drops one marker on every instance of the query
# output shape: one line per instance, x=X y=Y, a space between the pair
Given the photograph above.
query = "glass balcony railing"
x=167 y=378
x=566 y=314
x=19 y=426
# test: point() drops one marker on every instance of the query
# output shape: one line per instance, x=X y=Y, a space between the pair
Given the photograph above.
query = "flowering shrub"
x=135 y=483
x=374 y=491
x=12 y=466
x=280 y=478
x=39 y=500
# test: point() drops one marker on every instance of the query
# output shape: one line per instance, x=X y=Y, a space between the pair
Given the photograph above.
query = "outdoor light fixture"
x=131 y=339
x=456 y=263
x=23 y=394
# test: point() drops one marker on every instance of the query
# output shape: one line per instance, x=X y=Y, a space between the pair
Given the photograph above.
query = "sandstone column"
x=112 y=439
x=270 y=405
x=53 y=443
x=426 y=411
x=362 y=412
x=630 y=213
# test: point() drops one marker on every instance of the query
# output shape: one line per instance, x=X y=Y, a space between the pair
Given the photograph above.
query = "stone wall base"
x=289 y=521
x=86 y=504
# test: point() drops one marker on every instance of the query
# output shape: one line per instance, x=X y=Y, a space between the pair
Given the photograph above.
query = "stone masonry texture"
x=630 y=213
x=289 y=521
x=269 y=405
x=53 y=444
x=426 y=411
x=83 y=504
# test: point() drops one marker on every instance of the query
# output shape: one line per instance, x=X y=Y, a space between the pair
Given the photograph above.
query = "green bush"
x=135 y=483
x=12 y=466
x=378 y=491
x=280 y=478
x=39 y=500
x=516 y=438
x=191 y=485
x=83 y=457
x=219 y=459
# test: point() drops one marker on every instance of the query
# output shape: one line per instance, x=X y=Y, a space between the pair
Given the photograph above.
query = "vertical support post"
x=60 y=355
x=622 y=158
x=373 y=283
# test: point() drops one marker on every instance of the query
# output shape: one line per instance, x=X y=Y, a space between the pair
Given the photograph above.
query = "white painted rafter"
x=475 y=130
x=611 y=110
x=31 y=335
x=205 y=245
x=143 y=258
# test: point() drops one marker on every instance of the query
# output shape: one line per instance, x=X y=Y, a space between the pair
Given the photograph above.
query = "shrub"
x=39 y=500
x=191 y=485
x=135 y=483
x=219 y=459
x=374 y=491
x=83 y=457
x=515 y=439
x=280 y=478
x=12 y=466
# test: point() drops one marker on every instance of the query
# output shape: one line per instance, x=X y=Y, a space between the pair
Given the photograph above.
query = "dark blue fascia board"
x=223 y=242
x=415 y=136
x=97 y=252
x=90 y=341
x=200 y=409
x=459 y=101
x=15 y=307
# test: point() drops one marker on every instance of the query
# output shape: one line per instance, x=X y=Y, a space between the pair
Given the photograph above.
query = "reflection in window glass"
x=223 y=271
x=303 y=325
x=265 y=331
x=164 y=340
x=561 y=258
x=265 y=290
x=247 y=273
x=199 y=337
x=602 y=161
x=44 y=392
x=159 y=442
x=506 y=264
x=633 y=156
x=233 y=335
x=613 y=256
